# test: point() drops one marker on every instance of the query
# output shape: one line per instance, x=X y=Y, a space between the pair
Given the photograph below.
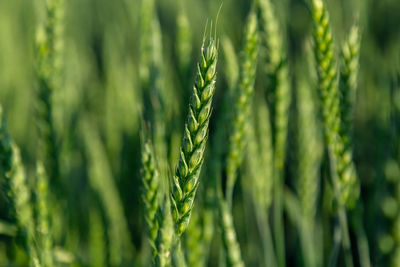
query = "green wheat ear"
x=348 y=184
x=243 y=99
x=349 y=76
x=43 y=220
x=186 y=179
x=259 y=157
x=12 y=172
x=165 y=235
x=150 y=179
x=49 y=43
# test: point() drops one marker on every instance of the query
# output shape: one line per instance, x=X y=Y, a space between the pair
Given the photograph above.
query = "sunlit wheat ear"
x=242 y=102
x=150 y=180
x=186 y=178
x=348 y=184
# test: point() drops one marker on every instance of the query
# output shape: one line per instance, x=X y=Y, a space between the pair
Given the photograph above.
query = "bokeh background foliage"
x=100 y=98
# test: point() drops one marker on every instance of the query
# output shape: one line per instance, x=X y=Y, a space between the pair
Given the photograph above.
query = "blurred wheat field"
x=200 y=133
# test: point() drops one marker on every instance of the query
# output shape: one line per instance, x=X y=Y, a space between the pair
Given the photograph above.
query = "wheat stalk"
x=185 y=181
x=258 y=181
x=193 y=241
x=310 y=151
x=97 y=244
x=242 y=103
x=102 y=182
x=199 y=233
x=229 y=240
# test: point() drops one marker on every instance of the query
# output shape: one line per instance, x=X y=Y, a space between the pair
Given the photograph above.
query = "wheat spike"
x=242 y=103
x=348 y=185
x=150 y=179
x=185 y=181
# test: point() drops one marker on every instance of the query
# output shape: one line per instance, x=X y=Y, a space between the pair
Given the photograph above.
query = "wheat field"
x=200 y=133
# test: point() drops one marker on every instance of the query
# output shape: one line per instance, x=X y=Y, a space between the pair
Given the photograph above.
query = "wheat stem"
x=231 y=245
x=101 y=180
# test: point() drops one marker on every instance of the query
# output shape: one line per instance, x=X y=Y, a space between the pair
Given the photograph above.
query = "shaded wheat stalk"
x=229 y=240
x=310 y=151
x=185 y=181
x=101 y=180
x=259 y=176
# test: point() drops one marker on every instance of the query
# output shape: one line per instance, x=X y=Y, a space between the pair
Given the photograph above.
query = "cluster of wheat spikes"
x=140 y=157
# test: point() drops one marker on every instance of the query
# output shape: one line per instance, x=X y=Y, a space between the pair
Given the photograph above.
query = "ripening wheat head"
x=243 y=99
x=186 y=179
x=348 y=184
